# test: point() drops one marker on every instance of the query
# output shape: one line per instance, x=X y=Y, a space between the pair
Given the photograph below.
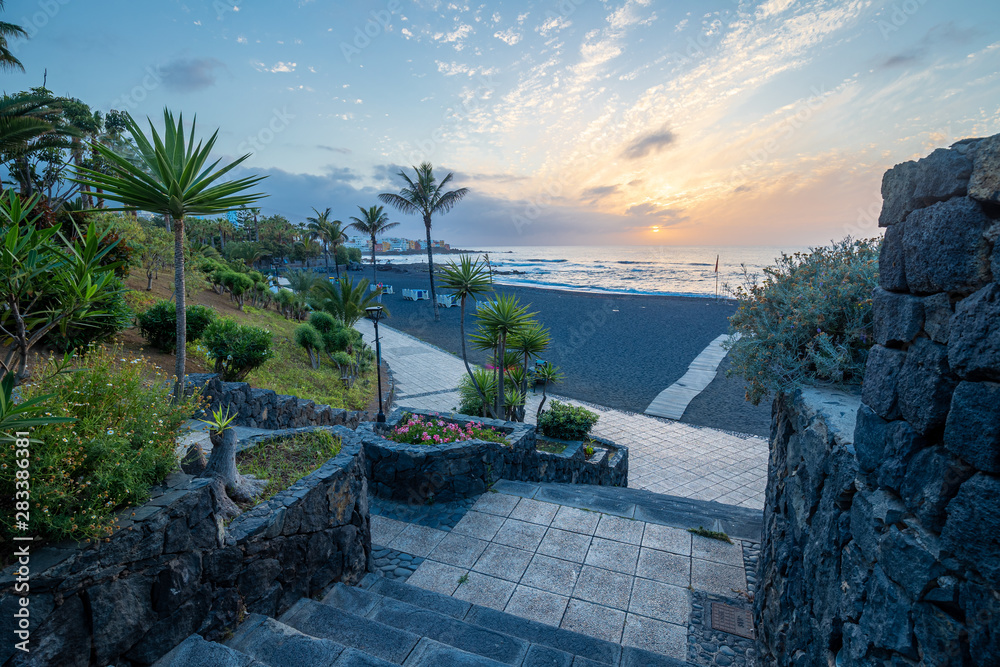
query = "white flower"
x=111 y=431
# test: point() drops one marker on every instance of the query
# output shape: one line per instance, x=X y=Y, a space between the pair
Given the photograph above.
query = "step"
x=428 y=623
x=196 y=652
x=278 y=645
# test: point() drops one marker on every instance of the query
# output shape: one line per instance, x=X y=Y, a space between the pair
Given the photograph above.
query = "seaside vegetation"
x=566 y=422
x=419 y=430
x=809 y=321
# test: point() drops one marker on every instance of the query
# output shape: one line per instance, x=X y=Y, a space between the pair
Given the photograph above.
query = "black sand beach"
x=615 y=350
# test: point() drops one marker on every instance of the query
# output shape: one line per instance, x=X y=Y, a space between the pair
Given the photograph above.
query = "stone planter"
x=174 y=567
x=607 y=467
x=419 y=473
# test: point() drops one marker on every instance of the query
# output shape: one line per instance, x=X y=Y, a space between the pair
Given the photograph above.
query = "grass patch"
x=549 y=446
x=710 y=534
x=283 y=461
x=463 y=579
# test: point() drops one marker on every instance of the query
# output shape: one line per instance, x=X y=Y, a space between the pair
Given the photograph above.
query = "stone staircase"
x=384 y=622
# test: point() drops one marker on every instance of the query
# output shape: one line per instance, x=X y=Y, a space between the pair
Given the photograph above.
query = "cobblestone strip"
x=394 y=564
x=714 y=648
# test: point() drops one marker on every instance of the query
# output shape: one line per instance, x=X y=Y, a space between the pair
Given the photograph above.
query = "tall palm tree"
x=466 y=278
x=329 y=232
x=171 y=179
x=30 y=122
x=426 y=197
x=373 y=221
x=8 y=30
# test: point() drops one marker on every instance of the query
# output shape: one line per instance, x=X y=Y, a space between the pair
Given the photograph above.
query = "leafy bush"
x=198 y=318
x=323 y=322
x=112 y=314
x=209 y=266
x=418 y=430
x=121 y=443
x=470 y=402
x=311 y=340
x=138 y=301
x=810 y=320
x=566 y=422
x=236 y=349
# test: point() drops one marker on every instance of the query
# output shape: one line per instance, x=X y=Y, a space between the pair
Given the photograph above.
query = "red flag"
x=716 y=263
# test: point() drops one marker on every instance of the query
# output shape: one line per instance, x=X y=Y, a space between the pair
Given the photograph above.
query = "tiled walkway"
x=619 y=579
x=664 y=456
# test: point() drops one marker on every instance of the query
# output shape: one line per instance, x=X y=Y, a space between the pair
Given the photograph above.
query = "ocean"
x=663 y=270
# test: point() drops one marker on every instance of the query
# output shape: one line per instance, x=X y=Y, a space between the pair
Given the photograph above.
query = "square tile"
x=656 y=636
x=537 y=605
x=717 y=578
x=662 y=566
x=594 y=620
x=612 y=555
x=576 y=520
x=565 y=545
x=485 y=591
x=534 y=511
x=496 y=503
x=665 y=538
x=603 y=587
x=551 y=574
x=504 y=562
x=717 y=550
x=458 y=550
x=437 y=577
x=417 y=540
x=660 y=601
x=520 y=534
x=384 y=529
x=479 y=525
x=620 y=529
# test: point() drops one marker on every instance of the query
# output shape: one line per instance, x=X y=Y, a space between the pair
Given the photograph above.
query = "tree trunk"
x=336 y=262
x=149 y=281
x=465 y=358
x=181 y=312
x=430 y=268
x=544 y=396
x=374 y=272
x=222 y=464
x=500 y=373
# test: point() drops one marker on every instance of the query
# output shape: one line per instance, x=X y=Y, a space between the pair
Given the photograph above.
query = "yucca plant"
x=466 y=278
x=546 y=374
x=499 y=320
x=346 y=300
x=222 y=461
x=170 y=178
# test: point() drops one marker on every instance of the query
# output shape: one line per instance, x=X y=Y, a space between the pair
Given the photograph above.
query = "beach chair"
x=408 y=295
x=482 y=304
x=387 y=289
x=446 y=300
x=422 y=295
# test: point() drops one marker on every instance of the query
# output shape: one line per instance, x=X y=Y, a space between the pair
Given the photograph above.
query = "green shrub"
x=256 y=276
x=121 y=443
x=566 y=422
x=322 y=322
x=236 y=349
x=198 y=319
x=208 y=266
x=311 y=340
x=113 y=315
x=470 y=402
x=809 y=321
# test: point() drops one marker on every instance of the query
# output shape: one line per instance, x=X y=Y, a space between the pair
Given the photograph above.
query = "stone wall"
x=174 y=567
x=417 y=473
x=884 y=547
x=263 y=408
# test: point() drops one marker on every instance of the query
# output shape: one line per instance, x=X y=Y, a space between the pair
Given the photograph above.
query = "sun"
x=656 y=229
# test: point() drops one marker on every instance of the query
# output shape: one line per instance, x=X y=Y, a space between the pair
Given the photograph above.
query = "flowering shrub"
x=121 y=443
x=418 y=430
x=810 y=320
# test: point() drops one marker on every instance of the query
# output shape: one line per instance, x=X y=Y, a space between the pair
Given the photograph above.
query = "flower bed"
x=420 y=430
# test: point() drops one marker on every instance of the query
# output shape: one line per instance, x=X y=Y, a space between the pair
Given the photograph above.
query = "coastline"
x=615 y=349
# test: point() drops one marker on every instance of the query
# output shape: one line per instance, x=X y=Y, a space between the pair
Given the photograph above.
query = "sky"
x=572 y=122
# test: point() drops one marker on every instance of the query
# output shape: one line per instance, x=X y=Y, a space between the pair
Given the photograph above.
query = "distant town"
x=399 y=246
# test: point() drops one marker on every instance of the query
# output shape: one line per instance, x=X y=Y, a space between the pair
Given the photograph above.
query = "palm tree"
x=345 y=299
x=373 y=222
x=529 y=341
x=30 y=122
x=466 y=278
x=546 y=373
x=426 y=197
x=330 y=232
x=7 y=30
x=171 y=179
x=500 y=320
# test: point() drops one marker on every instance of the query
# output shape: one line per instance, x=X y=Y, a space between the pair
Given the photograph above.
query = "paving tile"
x=496 y=503
x=620 y=529
x=458 y=550
x=594 y=620
x=520 y=534
x=565 y=545
x=480 y=525
x=534 y=511
x=503 y=561
x=663 y=566
x=603 y=587
x=660 y=601
x=717 y=578
x=717 y=550
x=384 y=529
x=576 y=520
x=612 y=555
x=437 y=577
x=537 y=605
x=485 y=591
x=656 y=636
x=417 y=540
x=551 y=574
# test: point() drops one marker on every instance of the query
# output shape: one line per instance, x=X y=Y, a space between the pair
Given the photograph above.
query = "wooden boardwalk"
x=673 y=401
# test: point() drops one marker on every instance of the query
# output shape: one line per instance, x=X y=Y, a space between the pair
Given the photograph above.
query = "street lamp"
x=375 y=313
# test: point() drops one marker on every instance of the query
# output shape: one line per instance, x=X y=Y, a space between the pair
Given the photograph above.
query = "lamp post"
x=375 y=313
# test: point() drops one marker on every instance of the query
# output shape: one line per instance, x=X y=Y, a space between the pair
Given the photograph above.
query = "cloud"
x=456 y=36
x=509 y=36
x=669 y=216
x=942 y=33
x=654 y=142
x=187 y=75
x=279 y=66
x=553 y=24
x=599 y=192
x=335 y=149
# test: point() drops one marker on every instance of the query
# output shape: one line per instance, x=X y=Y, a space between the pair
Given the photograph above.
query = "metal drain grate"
x=734 y=620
